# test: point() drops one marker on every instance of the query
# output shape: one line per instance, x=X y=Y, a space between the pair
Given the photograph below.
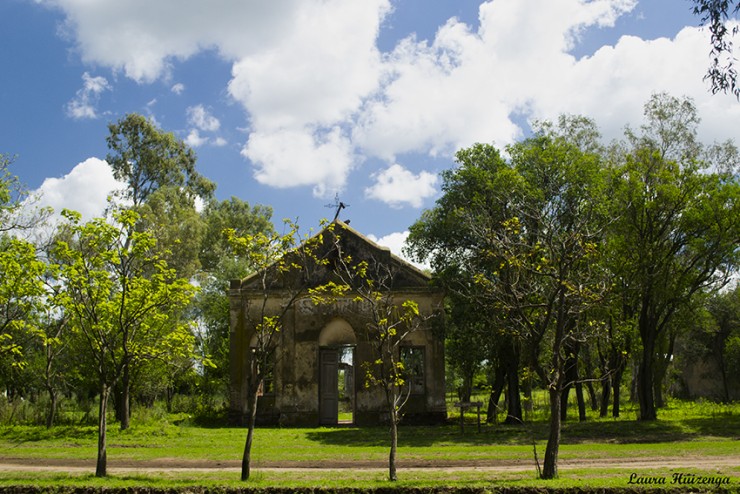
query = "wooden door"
x=328 y=386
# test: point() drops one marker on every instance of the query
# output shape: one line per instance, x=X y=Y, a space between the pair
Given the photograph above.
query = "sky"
x=294 y=103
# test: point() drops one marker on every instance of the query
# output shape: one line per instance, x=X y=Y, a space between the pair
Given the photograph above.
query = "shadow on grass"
x=29 y=434
x=421 y=436
x=625 y=431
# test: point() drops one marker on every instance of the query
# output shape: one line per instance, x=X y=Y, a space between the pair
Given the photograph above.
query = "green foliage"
x=721 y=73
x=676 y=226
x=147 y=159
x=21 y=291
x=123 y=300
x=121 y=293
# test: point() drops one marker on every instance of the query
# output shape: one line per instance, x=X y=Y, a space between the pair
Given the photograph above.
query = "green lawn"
x=684 y=432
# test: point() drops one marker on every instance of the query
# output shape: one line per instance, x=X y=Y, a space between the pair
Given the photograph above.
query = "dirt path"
x=179 y=465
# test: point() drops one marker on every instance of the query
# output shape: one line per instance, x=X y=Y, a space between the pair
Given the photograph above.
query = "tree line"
x=566 y=259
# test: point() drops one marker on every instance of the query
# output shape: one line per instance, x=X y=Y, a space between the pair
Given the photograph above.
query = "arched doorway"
x=336 y=373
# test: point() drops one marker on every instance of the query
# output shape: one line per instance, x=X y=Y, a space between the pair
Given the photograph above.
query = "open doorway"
x=346 y=385
x=337 y=385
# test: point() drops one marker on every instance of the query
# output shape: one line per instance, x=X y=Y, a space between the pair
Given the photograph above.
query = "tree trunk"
x=581 y=402
x=550 y=467
x=102 y=463
x=513 y=398
x=53 y=398
x=617 y=384
x=392 y=475
x=247 y=456
x=589 y=368
x=606 y=391
x=661 y=366
x=514 y=411
x=564 y=395
x=467 y=386
x=125 y=404
x=645 y=381
x=499 y=380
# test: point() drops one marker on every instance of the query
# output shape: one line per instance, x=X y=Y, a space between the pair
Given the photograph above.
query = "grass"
x=684 y=431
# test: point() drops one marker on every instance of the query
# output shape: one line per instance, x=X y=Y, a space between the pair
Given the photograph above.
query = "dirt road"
x=721 y=463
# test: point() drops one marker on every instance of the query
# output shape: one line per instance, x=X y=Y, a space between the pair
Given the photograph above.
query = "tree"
x=531 y=237
x=676 y=228
x=145 y=158
x=466 y=346
x=122 y=299
x=389 y=321
x=162 y=186
x=21 y=287
x=721 y=73
x=724 y=344
x=276 y=261
x=21 y=295
x=445 y=235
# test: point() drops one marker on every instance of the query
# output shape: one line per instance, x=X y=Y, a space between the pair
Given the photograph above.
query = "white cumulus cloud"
x=396 y=186
x=194 y=139
x=396 y=241
x=84 y=189
x=305 y=157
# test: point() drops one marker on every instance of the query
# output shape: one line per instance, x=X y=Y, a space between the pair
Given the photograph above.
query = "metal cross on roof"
x=339 y=205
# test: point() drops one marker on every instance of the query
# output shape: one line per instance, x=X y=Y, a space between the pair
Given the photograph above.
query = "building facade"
x=323 y=351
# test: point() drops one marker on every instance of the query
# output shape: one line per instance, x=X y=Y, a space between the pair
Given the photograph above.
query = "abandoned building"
x=318 y=374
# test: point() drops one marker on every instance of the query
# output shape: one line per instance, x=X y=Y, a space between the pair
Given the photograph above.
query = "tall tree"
x=122 y=299
x=163 y=186
x=677 y=226
x=445 y=235
x=532 y=239
x=146 y=158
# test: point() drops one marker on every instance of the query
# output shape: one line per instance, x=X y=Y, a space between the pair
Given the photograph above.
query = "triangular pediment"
x=338 y=236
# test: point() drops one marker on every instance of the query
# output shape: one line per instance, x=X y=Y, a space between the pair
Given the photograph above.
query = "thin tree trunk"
x=392 y=474
x=606 y=391
x=467 y=386
x=53 y=398
x=589 y=368
x=125 y=399
x=252 y=419
x=102 y=462
x=581 y=402
x=616 y=385
x=550 y=467
x=514 y=411
x=50 y=387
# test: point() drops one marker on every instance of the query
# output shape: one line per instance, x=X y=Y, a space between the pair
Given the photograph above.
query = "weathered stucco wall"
x=295 y=400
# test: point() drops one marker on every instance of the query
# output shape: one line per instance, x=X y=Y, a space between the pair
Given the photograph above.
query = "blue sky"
x=290 y=102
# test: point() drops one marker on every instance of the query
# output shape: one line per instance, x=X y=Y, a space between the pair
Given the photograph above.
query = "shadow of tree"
x=611 y=431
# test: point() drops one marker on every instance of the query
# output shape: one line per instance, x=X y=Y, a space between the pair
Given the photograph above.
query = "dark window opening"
x=412 y=359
